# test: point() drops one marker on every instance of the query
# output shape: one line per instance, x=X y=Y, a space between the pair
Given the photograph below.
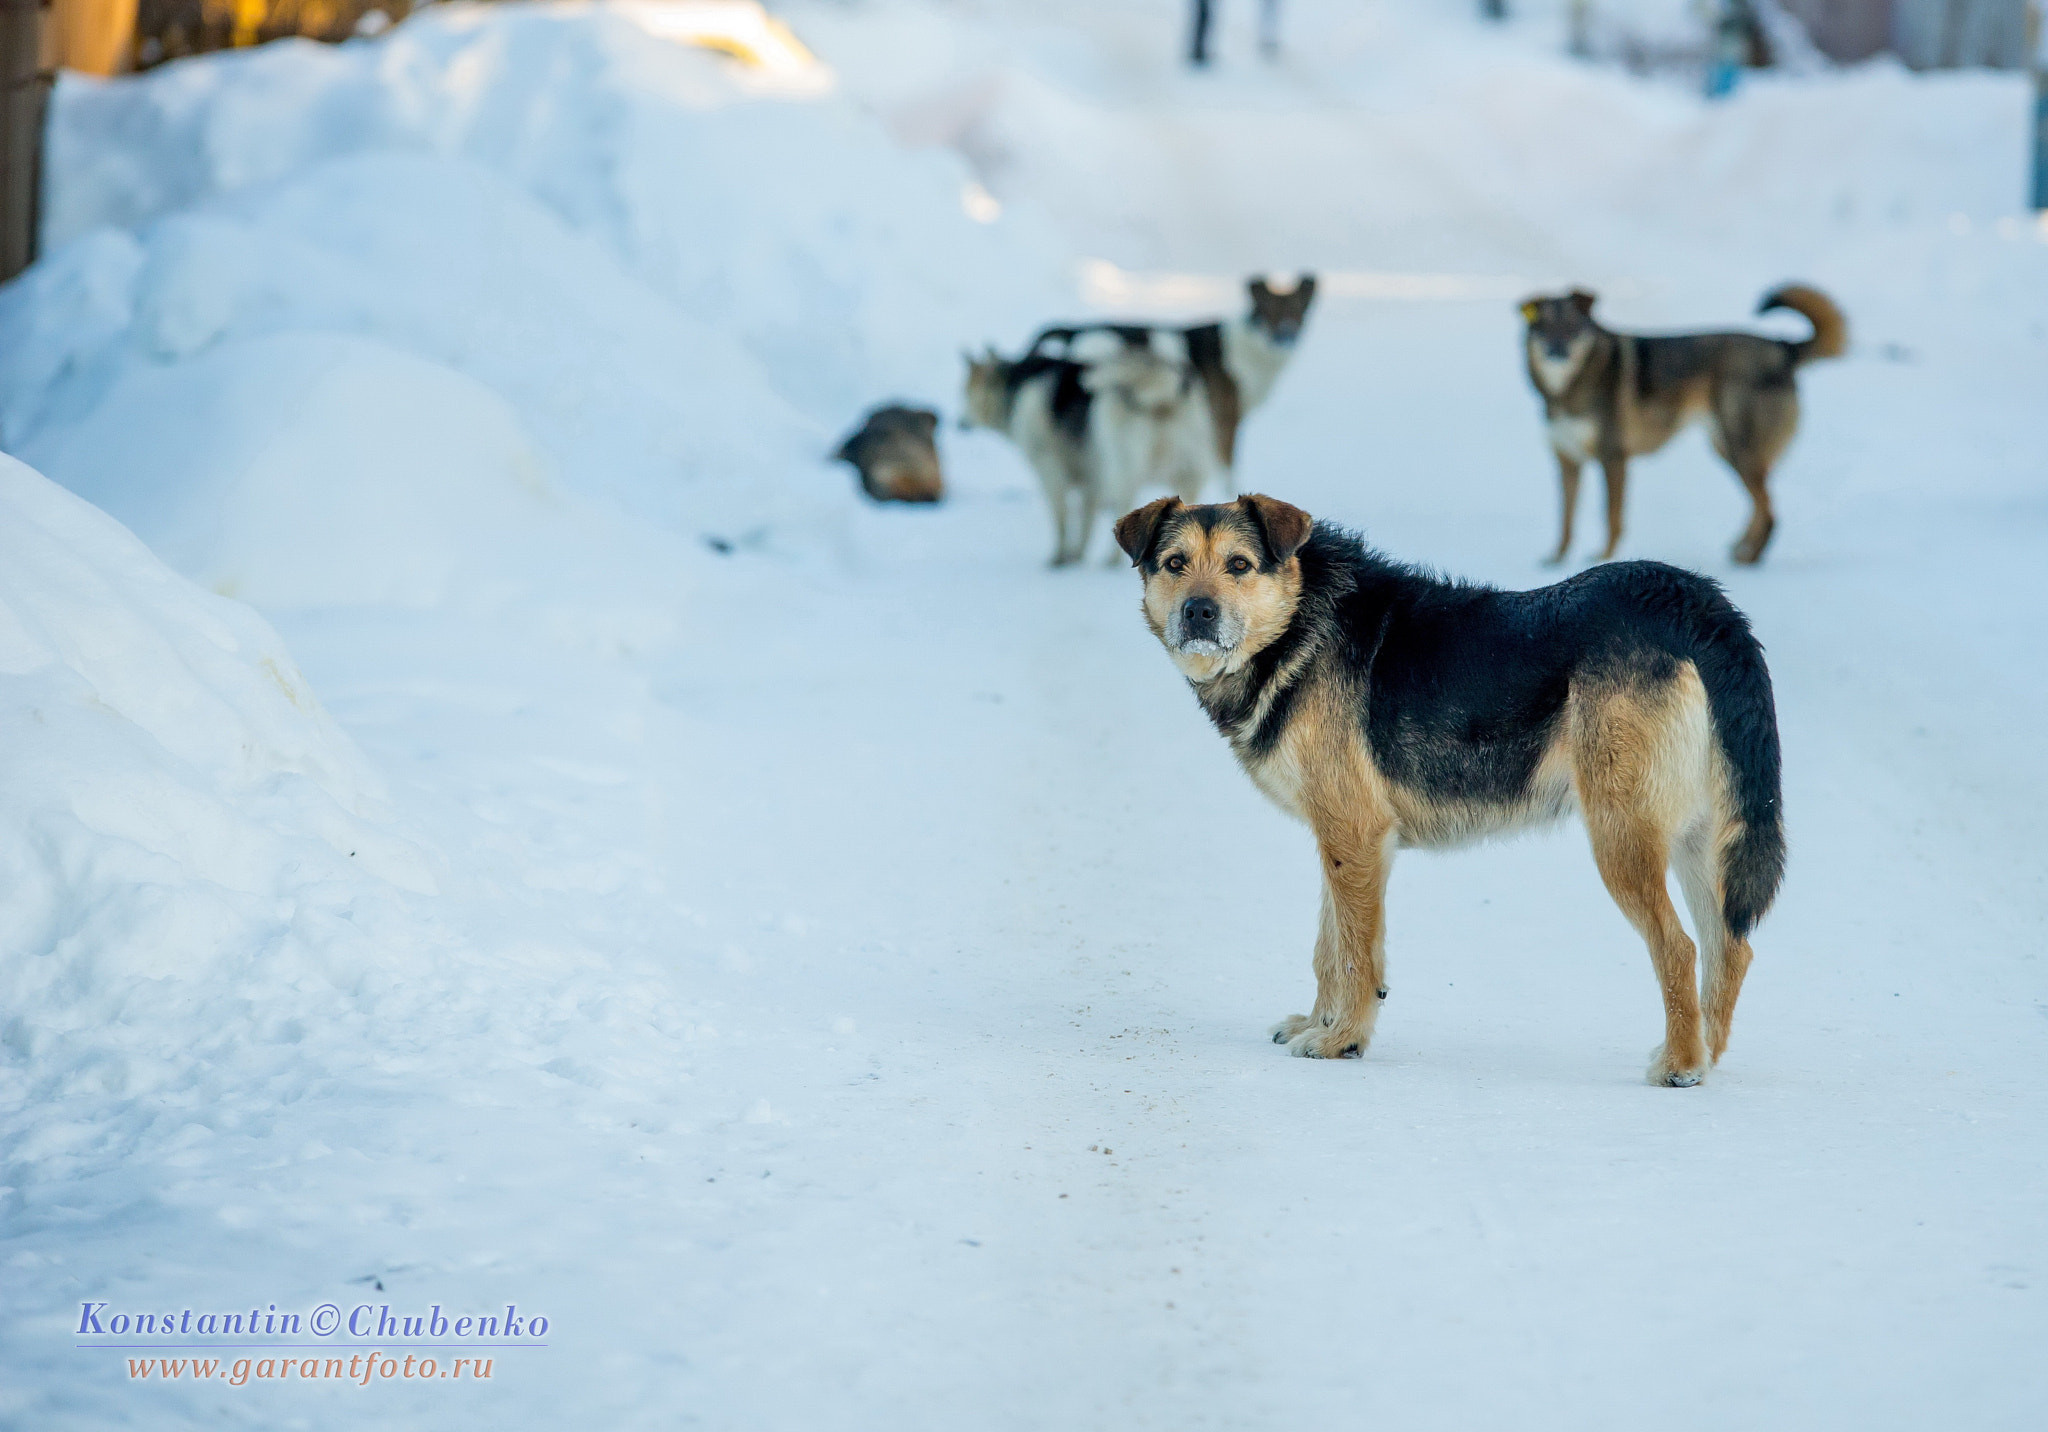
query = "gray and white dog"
x=1237 y=359
x=1096 y=433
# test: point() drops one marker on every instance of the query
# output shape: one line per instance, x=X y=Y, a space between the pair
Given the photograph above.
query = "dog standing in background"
x=1612 y=396
x=1387 y=707
x=1095 y=433
x=1238 y=359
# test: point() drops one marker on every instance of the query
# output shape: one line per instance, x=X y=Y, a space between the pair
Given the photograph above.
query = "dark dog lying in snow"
x=896 y=456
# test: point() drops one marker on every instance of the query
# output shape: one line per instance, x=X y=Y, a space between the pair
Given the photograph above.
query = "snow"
x=826 y=977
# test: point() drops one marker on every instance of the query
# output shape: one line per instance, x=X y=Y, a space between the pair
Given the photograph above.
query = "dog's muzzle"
x=1200 y=627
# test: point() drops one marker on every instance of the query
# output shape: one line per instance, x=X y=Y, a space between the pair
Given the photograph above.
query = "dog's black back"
x=1063 y=335
x=1070 y=396
x=1459 y=687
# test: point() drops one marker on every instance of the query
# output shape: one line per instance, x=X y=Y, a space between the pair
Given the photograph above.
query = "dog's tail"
x=1830 y=327
x=1730 y=661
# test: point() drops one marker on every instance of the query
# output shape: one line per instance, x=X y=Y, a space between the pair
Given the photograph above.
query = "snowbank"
x=186 y=834
x=789 y=221
x=313 y=469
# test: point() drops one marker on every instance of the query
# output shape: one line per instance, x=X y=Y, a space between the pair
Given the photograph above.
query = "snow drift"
x=186 y=835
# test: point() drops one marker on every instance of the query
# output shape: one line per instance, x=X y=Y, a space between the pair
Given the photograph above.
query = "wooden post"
x=94 y=37
x=24 y=88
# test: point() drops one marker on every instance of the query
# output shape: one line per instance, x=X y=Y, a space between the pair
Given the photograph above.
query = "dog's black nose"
x=1198 y=613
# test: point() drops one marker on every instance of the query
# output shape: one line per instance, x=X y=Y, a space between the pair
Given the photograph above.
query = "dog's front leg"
x=1615 y=469
x=1568 y=478
x=1350 y=959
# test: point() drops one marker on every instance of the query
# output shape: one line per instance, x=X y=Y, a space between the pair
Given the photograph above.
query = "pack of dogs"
x=1103 y=410
x=1387 y=708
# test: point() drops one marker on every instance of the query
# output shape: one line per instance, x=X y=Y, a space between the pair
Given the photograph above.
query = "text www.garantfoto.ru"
x=360 y=1369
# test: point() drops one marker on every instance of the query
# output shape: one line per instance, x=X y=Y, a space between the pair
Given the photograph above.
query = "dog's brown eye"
x=1240 y=566
x=1176 y=563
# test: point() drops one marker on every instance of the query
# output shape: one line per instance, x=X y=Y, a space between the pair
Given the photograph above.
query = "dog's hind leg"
x=1632 y=855
x=1351 y=952
x=1568 y=477
x=1751 y=438
x=1615 y=470
x=1623 y=774
x=1724 y=959
x=1749 y=548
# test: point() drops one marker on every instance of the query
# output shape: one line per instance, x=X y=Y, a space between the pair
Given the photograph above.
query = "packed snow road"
x=828 y=981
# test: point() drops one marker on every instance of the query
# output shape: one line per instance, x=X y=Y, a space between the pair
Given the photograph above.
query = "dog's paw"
x=1665 y=1074
x=1286 y=1029
x=1318 y=1042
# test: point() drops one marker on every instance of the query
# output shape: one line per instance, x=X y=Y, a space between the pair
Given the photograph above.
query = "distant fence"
x=111 y=37
x=170 y=29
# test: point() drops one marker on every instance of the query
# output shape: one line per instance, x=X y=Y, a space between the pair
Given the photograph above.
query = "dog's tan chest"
x=1277 y=774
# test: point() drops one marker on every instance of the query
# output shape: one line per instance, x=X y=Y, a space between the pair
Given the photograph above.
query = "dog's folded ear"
x=1137 y=531
x=1305 y=287
x=1285 y=526
x=1257 y=286
x=1581 y=300
x=1530 y=308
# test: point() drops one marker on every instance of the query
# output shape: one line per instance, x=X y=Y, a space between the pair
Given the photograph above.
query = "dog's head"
x=1221 y=580
x=1280 y=315
x=986 y=398
x=1560 y=335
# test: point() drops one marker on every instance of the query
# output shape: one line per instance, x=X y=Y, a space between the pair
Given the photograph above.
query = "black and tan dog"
x=1612 y=396
x=1388 y=708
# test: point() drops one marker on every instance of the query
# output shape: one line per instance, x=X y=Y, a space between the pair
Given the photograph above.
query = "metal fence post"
x=2037 y=49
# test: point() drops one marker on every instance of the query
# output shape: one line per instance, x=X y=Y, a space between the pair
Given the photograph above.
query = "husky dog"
x=894 y=453
x=1387 y=707
x=1095 y=433
x=1238 y=359
x=1613 y=396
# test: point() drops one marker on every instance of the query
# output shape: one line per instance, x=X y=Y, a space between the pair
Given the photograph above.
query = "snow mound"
x=314 y=469
x=178 y=808
x=793 y=222
x=424 y=334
